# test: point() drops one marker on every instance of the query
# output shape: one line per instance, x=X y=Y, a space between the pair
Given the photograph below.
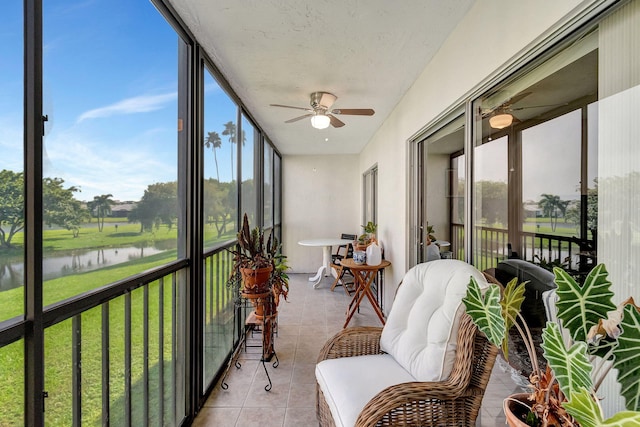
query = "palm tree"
x=213 y=140
x=101 y=207
x=230 y=131
x=550 y=204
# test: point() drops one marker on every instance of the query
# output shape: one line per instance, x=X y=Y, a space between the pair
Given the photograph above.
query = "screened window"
x=248 y=141
x=11 y=164
x=220 y=163
x=110 y=145
x=267 y=185
x=532 y=167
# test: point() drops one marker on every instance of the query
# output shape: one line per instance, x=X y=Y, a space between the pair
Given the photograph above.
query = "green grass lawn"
x=58 y=338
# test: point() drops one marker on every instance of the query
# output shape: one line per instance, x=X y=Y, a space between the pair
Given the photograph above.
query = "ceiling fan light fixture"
x=501 y=121
x=320 y=121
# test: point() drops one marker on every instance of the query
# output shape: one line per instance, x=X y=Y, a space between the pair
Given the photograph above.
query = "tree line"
x=60 y=207
x=158 y=205
x=493 y=196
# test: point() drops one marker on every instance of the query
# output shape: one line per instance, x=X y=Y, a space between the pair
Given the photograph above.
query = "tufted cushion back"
x=422 y=328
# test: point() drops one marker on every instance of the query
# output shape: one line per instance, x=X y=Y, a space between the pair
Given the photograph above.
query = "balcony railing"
x=118 y=355
x=491 y=246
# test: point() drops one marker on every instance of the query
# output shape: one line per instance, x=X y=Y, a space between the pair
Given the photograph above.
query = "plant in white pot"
x=601 y=336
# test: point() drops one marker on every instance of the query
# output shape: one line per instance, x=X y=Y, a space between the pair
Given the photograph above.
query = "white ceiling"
x=366 y=52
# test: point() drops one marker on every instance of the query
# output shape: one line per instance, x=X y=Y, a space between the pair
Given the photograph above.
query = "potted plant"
x=431 y=233
x=259 y=268
x=601 y=336
x=367 y=237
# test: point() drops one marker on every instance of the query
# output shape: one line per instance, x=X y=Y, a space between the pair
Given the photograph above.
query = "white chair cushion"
x=422 y=329
x=348 y=383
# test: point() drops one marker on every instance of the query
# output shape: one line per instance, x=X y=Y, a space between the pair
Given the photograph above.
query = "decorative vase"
x=256 y=281
x=513 y=405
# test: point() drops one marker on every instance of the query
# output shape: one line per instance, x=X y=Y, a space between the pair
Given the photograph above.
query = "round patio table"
x=326 y=243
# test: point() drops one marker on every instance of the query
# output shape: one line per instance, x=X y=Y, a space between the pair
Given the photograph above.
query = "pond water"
x=65 y=263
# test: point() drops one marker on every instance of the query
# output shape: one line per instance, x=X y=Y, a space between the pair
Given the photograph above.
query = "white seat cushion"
x=422 y=328
x=348 y=383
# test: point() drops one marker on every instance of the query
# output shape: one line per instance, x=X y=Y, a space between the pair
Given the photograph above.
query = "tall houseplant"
x=259 y=267
x=565 y=393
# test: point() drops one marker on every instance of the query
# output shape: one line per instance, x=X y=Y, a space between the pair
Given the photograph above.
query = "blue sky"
x=110 y=91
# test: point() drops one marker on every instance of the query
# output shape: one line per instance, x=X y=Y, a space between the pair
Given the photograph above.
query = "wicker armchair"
x=454 y=401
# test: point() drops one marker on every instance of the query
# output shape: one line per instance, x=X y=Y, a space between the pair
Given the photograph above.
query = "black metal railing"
x=491 y=246
x=221 y=328
x=126 y=362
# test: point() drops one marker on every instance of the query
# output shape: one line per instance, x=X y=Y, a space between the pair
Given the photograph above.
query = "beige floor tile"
x=304 y=324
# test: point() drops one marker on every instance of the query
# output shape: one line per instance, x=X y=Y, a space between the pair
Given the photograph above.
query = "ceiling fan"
x=502 y=116
x=321 y=113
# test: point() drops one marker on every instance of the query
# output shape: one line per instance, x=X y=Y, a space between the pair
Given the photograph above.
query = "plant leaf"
x=485 y=311
x=626 y=357
x=570 y=366
x=581 y=307
x=511 y=302
x=586 y=411
x=623 y=419
x=584 y=408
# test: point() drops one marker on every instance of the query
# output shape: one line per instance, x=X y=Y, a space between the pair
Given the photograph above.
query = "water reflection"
x=65 y=263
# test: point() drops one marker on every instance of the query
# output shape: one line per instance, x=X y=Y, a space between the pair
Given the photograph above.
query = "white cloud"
x=138 y=104
x=123 y=169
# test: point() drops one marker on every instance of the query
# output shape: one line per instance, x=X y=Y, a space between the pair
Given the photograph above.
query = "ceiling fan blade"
x=354 y=111
x=289 y=106
x=540 y=106
x=295 y=119
x=499 y=101
x=335 y=122
x=517 y=98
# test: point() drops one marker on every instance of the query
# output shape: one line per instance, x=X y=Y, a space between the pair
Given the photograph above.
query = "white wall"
x=321 y=199
x=491 y=34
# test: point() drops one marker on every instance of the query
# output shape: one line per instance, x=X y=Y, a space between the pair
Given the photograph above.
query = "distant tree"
x=551 y=205
x=142 y=213
x=493 y=201
x=213 y=141
x=573 y=214
x=100 y=207
x=562 y=207
x=159 y=205
x=217 y=210
x=230 y=131
x=11 y=205
x=60 y=207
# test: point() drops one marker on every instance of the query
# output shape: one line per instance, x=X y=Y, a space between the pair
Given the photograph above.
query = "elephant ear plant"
x=601 y=336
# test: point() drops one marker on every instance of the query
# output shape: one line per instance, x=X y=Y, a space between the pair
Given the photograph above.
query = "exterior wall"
x=492 y=33
x=322 y=199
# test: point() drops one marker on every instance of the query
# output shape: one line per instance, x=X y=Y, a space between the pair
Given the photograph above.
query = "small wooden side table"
x=364 y=275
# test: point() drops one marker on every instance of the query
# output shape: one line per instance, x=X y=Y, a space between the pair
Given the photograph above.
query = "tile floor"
x=305 y=322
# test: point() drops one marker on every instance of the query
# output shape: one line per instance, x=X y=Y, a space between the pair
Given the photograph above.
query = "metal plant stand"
x=265 y=324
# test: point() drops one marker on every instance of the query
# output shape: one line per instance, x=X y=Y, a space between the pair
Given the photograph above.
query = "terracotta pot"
x=256 y=281
x=513 y=409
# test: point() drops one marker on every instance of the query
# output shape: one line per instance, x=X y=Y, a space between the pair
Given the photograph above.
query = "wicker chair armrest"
x=354 y=341
x=413 y=394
